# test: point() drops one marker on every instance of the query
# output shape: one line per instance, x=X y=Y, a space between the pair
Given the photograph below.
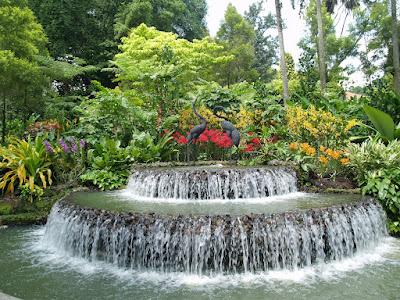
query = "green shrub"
x=146 y=148
x=108 y=165
x=384 y=97
x=383 y=123
x=104 y=179
x=110 y=115
x=26 y=162
x=377 y=169
x=5 y=208
x=373 y=155
x=385 y=186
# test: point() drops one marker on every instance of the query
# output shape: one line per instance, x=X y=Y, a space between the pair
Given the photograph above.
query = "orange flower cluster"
x=325 y=155
x=303 y=147
x=332 y=154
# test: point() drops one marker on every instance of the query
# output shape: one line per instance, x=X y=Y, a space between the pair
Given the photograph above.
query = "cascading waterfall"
x=212 y=183
x=216 y=244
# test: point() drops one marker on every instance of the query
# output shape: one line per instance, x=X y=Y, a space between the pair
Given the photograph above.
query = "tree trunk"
x=4 y=131
x=282 y=51
x=321 y=48
x=395 y=42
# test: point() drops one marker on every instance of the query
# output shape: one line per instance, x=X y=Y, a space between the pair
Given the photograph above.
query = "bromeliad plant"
x=28 y=163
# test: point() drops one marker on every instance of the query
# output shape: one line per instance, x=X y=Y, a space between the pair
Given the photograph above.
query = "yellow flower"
x=311 y=151
x=350 y=125
x=329 y=151
x=293 y=146
x=322 y=148
x=324 y=160
x=335 y=154
x=344 y=161
x=305 y=147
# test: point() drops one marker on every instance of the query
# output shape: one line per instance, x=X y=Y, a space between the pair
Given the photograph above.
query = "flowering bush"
x=217 y=137
x=188 y=119
x=321 y=159
x=243 y=119
x=44 y=127
x=69 y=155
x=212 y=143
x=318 y=127
x=249 y=118
x=253 y=143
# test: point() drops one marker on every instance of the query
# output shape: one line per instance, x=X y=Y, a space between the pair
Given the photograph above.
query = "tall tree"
x=337 y=49
x=161 y=68
x=321 y=47
x=264 y=44
x=237 y=36
x=282 y=50
x=82 y=29
x=21 y=41
x=395 y=44
x=79 y=28
x=184 y=17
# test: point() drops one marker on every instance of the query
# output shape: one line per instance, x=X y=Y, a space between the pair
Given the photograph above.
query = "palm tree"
x=321 y=48
x=278 y=6
x=395 y=44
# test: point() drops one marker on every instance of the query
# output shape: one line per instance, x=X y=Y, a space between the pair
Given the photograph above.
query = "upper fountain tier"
x=212 y=182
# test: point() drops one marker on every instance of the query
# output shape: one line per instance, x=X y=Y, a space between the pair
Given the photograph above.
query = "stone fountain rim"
x=218 y=166
x=68 y=200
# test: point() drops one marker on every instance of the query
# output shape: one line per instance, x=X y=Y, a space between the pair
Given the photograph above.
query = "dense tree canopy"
x=80 y=28
x=22 y=40
x=161 y=68
x=265 y=44
x=184 y=17
x=237 y=37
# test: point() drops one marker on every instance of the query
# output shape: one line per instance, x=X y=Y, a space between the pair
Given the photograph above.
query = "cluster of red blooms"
x=253 y=144
x=217 y=137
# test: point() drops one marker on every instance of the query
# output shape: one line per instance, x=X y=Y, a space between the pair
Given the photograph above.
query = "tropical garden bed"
x=69 y=123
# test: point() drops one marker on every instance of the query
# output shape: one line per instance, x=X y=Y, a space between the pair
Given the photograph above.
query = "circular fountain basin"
x=123 y=202
x=212 y=220
x=211 y=182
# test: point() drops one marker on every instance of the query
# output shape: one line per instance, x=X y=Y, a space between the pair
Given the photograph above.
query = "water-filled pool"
x=29 y=269
x=122 y=201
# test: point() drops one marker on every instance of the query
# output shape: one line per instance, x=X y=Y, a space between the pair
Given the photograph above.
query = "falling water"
x=216 y=244
x=212 y=183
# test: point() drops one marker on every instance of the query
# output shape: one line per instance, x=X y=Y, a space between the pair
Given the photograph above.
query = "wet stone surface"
x=217 y=243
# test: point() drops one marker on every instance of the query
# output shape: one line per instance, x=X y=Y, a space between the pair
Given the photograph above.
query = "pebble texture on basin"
x=204 y=244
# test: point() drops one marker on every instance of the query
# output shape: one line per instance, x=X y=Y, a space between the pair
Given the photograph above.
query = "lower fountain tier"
x=208 y=182
x=219 y=243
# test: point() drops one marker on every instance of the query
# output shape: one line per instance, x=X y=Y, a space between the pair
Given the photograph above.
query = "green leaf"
x=397 y=133
x=381 y=120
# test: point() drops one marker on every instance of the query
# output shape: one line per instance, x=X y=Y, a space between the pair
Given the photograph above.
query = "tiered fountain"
x=209 y=220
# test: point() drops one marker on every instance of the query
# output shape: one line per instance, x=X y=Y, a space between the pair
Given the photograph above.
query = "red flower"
x=179 y=138
x=182 y=140
x=250 y=133
x=224 y=141
x=203 y=138
x=256 y=141
x=249 y=148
